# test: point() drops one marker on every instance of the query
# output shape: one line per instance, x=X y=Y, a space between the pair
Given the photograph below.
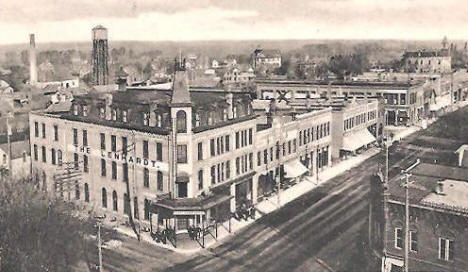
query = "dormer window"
x=145 y=118
x=234 y=112
x=159 y=120
x=75 y=109
x=102 y=112
x=124 y=116
x=114 y=115
x=197 y=119
x=85 y=110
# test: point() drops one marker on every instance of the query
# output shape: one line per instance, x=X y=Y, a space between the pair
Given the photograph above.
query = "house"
x=20 y=158
x=266 y=58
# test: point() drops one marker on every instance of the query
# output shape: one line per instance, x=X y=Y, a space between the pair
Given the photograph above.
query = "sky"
x=186 y=20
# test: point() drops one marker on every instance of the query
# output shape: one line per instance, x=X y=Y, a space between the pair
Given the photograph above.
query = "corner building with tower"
x=178 y=158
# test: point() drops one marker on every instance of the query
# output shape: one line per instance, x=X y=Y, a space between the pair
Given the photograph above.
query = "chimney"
x=108 y=98
x=230 y=102
x=440 y=188
x=32 y=60
x=152 y=115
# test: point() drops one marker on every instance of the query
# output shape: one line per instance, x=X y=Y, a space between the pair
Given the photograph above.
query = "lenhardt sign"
x=119 y=156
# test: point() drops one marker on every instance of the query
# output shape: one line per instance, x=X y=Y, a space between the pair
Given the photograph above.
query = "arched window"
x=77 y=190
x=181 y=121
x=114 y=201
x=86 y=192
x=136 y=213
x=104 y=198
x=53 y=155
x=126 y=204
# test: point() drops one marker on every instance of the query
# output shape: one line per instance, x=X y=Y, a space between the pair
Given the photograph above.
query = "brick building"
x=438 y=220
x=433 y=61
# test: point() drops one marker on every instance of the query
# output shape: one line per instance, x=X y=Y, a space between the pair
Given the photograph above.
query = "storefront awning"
x=357 y=139
x=294 y=169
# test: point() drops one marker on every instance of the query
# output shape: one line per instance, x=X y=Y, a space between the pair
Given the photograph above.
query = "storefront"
x=355 y=140
x=266 y=185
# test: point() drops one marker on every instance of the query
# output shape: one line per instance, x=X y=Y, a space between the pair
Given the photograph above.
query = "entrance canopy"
x=357 y=139
x=294 y=169
x=168 y=207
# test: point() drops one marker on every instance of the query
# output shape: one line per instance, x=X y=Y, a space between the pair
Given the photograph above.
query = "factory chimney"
x=32 y=60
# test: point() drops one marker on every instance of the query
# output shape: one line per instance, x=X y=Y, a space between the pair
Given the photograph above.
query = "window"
x=114 y=201
x=271 y=153
x=124 y=145
x=200 y=151
x=125 y=172
x=36 y=129
x=413 y=241
x=136 y=214
x=114 y=170
x=102 y=112
x=56 y=133
x=259 y=158
x=113 y=143
x=228 y=169
x=76 y=160
x=53 y=156
x=213 y=174
x=77 y=190
x=85 y=137
x=226 y=142
x=114 y=115
x=159 y=151
x=59 y=157
x=104 y=198
x=85 y=110
x=145 y=149
x=251 y=161
x=181 y=118
x=75 y=136
x=446 y=249
x=103 y=141
x=103 y=167
x=181 y=189
x=124 y=116
x=200 y=179
x=145 y=119
x=398 y=238
x=265 y=156
x=159 y=120
x=212 y=147
x=237 y=140
x=126 y=204
x=43 y=131
x=146 y=177
x=86 y=192
x=147 y=209
x=181 y=153
x=85 y=164
x=160 y=180
x=250 y=136
x=44 y=158
x=237 y=166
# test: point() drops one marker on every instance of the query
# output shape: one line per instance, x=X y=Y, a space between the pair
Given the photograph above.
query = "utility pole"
x=385 y=193
x=407 y=184
x=99 y=247
x=10 y=169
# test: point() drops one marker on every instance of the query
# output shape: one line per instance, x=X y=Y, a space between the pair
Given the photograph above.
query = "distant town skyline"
x=185 y=20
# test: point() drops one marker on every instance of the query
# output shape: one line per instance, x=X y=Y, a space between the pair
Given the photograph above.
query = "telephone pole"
x=407 y=231
x=99 y=244
x=10 y=169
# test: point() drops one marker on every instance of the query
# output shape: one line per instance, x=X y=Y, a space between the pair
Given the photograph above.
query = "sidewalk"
x=187 y=246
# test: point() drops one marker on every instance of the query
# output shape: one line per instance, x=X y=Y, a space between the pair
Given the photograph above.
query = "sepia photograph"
x=233 y=136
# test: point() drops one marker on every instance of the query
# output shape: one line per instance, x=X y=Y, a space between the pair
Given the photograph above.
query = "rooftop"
x=388 y=84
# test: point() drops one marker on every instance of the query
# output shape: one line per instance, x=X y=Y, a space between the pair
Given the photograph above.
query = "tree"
x=37 y=233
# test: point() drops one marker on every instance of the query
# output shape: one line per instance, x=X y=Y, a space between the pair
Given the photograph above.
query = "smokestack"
x=32 y=60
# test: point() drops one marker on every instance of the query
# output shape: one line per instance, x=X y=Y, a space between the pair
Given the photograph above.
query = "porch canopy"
x=168 y=207
x=294 y=169
x=357 y=139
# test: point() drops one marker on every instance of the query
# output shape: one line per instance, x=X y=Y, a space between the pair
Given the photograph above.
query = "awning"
x=357 y=139
x=294 y=169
